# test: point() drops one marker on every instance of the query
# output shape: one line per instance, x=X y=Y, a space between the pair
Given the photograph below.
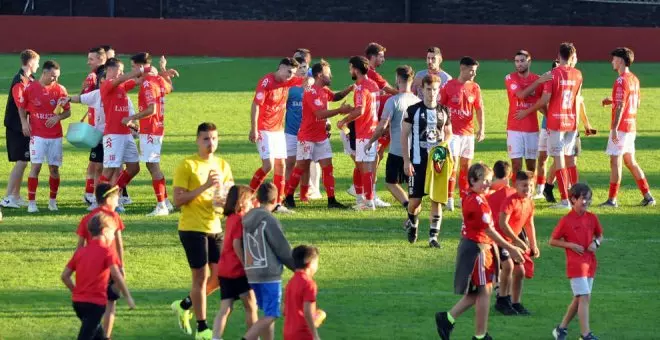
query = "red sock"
x=643 y=186
x=54 y=184
x=614 y=189
x=159 y=189
x=329 y=180
x=562 y=183
x=293 y=181
x=540 y=180
x=124 y=179
x=357 y=181
x=367 y=183
x=33 y=182
x=164 y=184
x=89 y=186
x=303 y=192
x=104 y=180
x=257 y=179
x=573 y=175
x=463 y=185
x=278 y=180
x=452 y=184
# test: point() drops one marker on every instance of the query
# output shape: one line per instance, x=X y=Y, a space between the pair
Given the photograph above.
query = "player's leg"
x=583 y=314
x=159 y=186
x=482 y=307
x=264 y=328
x=366 y=162
x=616 y=169
x=250 y=306
x=221 y=319
x=572 y=147
x=515 y=144
x=541 y=160
x=54 y=154
x=303 y=160
x=454 y=149
x=463 y=184
x=108 y=321
x=557 y=149
x=382 y=146
x=640 y=178
x=327 y=169
x=37 y=157
x=89 y=182
x=531 y=140
x=435 y=223
x=271 y=298
x=267 y=160
x=517 y=287
x=315 y=176
x=18 y=151
x=503 y=303
x=291 y=152
x=15 y=180
x=394 y=176
x=414 y=209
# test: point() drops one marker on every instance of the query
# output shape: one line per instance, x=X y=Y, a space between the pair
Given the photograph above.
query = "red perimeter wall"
x=275 y=39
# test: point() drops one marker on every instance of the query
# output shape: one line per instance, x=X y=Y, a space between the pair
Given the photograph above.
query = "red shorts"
x=484 y=269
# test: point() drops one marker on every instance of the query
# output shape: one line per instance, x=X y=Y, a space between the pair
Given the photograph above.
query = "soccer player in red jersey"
x=515 y=222
x=375 y=53
x=18 y=145
x=522 y=135
x=95 y=58
x=118 y=144
x=151 y=115
x=313 y=141
x=475 y=262
x=42 y=100
x=561 y=96
x=107 y=198
x=365 y=115
x=267 y=124
x=463 y=98
x=581 y=234
x=621 y=144
x=95 y=265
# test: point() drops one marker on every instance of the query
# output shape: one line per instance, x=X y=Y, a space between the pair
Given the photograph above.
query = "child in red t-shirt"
x=231 y=272
x=94 y=264
x=516 y=225
x=580 y=233
x=301 y=317
x=476 y=262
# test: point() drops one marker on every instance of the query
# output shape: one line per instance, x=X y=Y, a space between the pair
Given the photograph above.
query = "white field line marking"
x=78 y=71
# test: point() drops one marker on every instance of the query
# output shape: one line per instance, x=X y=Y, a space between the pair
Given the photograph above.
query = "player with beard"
x=313 y=141
x=433 y=62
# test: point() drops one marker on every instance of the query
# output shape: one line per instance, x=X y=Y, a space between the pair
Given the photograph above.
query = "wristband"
x=597 y=243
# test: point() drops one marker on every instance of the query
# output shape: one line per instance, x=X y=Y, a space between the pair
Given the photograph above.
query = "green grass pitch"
x=372 y=283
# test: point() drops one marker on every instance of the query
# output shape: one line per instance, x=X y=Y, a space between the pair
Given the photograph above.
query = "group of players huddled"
x=426 y=119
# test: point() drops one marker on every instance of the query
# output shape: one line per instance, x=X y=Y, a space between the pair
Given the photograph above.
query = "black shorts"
x=233 y=288
x=394 y=173
x=96 y=154
x=201 y=248
x=112 y=294
x=18 y=146
x=504 y=254
x=417 y=180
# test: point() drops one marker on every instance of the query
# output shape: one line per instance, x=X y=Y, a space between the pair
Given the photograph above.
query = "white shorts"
x=314 y=151
x=582 y=285
x=150 y=146
x=561 y=143
x=462 y=146
x=291 y=145
x=543 y=140
x=119 y=149
x=271 y=145
x=46 y=150
x=361 y=155
x=522 y=144
x=346 y=142
x=625 y=145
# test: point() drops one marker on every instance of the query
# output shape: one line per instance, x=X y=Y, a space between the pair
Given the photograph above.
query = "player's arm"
x=135 y=73
x=254 y=117
x=448 y=130
x=309 y=309
x=165 y=73
x=81 y=242
x=118 y=278
x=146 y=113
x=182 y=195
x=277 y=241
x=541 y=103
x=342 y=94
x=323 y=113
x=526 y=92
x=19 y=94
x=237 y=243
x=530 y=230
x=481 y=134
x=416 y=85
x=508 y=231
x=380 y=129
x=391 y=90
x=66 y=278
x=357 y=111
x=405 y=149
x=119 y=243
x=557 y=239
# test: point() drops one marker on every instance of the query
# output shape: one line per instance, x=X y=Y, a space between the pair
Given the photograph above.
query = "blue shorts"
x=269 y=297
